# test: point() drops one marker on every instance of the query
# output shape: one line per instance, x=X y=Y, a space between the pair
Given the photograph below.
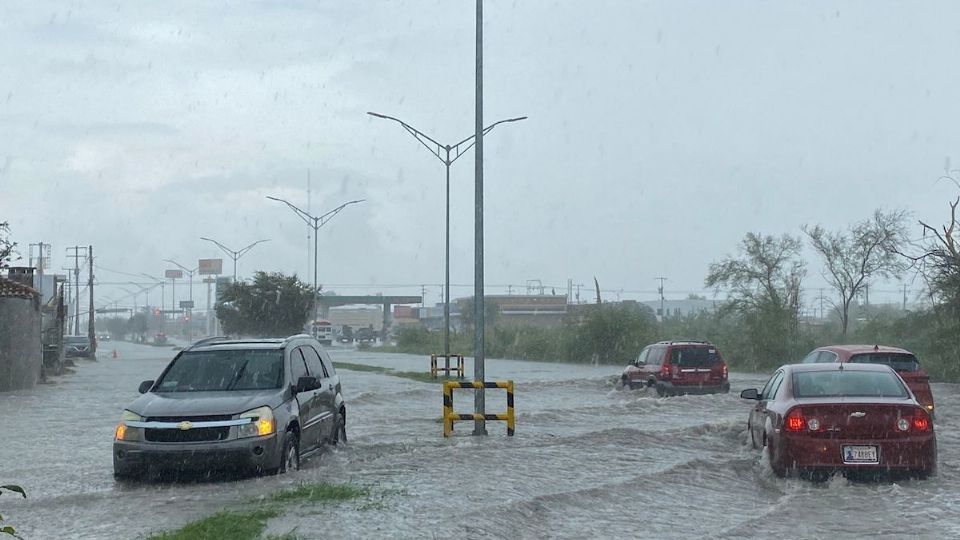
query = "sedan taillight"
x=921 y=421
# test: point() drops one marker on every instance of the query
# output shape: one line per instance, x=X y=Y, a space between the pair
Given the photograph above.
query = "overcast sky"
x=659 y=133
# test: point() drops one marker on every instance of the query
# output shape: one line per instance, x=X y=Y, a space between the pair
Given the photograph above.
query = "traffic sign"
x=173 y=274
x=210 y=267
x=186 y=304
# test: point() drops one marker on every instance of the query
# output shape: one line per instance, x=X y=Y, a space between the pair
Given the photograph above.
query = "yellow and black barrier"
x=449 y=416
x=434 y=370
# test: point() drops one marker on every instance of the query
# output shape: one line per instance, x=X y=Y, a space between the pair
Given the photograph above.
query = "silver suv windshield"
x=224 y=370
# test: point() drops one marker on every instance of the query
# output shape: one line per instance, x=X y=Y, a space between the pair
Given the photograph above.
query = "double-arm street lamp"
x=447 y=154
x=315 y=222
x=234 y=254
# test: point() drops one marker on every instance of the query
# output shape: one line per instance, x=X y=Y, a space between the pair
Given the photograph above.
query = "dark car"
x=346 y=335
x=822 y=418
x=678 y=367
x=241 y=404
x=902 y=361
x=77 y=346
x=366 y=334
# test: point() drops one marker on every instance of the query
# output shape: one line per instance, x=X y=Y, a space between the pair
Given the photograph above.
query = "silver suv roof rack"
x=288 y=339
x=204 y=341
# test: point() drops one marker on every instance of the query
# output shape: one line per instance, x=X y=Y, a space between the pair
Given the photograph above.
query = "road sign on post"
x=186 y=304
x=173 y=274
x=210 y=267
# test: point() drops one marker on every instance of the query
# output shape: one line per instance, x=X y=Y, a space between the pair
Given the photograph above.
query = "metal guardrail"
x=434 y=370
x=449 y=416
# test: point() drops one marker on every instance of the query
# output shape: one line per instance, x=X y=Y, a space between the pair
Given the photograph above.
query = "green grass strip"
x=226 y=525
x=250 y=524
x=320 y=493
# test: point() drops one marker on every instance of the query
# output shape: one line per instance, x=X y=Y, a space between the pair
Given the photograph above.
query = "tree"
x=851 y=258
x=939 y=261
x=273 y=305
x=765 y=281
x=8 y=247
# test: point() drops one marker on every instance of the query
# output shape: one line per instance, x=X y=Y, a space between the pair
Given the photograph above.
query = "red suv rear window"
x=694 y=356
x=898 y=361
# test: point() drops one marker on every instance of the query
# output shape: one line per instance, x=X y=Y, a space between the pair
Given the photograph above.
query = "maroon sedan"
x=821 y=418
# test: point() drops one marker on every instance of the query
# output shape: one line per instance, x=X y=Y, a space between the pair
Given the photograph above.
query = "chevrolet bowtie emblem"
x=185 y=425
x=858 y=414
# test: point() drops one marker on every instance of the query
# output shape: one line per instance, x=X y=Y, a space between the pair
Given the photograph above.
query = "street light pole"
x=443 y=153
x=189 y=309
x=315 y=222
x=479 y=405
x=234 y=254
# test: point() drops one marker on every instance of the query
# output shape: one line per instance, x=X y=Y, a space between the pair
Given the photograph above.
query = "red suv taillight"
x=724 y=370
x=665 y=370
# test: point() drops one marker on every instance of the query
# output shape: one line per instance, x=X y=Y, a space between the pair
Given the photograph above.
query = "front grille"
x=194 y=419
x=196 y=434
x=188 y=435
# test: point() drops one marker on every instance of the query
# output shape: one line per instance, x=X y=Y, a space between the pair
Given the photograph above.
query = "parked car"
x=678 y=367
x=77 y=346
x=902 y=361
x=822 y=418
x=260 y=404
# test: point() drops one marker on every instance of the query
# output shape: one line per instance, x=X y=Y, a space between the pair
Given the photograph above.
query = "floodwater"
x=587 y=461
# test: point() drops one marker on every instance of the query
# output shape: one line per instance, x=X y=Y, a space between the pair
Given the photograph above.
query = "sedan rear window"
x=898 y=361
x=211 y=371
x=76 y=339
x=837 y=383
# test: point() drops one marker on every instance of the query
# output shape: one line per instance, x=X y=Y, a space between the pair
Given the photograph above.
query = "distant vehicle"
x=678 y=367
x=821 y=418
x=77 y=346
x=366 y=334
x=103 y=337
x=902 y=361
x=160 y=338
x=258 y=404
x=346 y=335
x=322 y=331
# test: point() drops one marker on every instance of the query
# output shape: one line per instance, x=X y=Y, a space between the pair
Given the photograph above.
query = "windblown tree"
x=8 y=247
x=867 y=250
x=764 y=282
x=939 y=261
x=274 y=305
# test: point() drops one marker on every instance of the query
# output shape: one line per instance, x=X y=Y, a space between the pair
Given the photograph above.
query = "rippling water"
x=587 y=461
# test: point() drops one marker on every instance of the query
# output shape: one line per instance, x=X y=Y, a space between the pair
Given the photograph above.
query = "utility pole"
x=821 y=304
x=91 y=329
x=904 y=296
x=77 y=250
x=660 y=290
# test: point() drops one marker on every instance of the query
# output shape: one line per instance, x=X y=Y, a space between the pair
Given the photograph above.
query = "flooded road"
x=586 y=461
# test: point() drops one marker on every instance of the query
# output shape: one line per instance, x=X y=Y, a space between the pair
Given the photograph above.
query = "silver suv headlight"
x=125 y=432
x=262 y=423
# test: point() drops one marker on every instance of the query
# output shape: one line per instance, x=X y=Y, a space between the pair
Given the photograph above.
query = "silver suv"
x=258 y=404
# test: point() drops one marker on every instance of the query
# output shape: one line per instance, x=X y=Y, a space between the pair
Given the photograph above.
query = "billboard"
x=173 y=274
x=210 y=267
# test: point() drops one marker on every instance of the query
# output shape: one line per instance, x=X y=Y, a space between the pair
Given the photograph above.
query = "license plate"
x=860 y=454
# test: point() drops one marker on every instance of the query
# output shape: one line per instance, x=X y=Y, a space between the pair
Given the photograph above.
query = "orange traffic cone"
x=114 y=353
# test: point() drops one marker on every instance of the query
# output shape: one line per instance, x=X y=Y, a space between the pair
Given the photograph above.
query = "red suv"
x=902 y=361
x=678 y=367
